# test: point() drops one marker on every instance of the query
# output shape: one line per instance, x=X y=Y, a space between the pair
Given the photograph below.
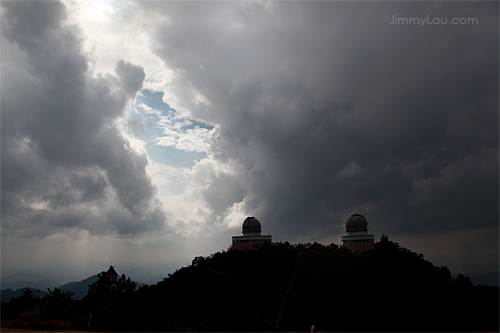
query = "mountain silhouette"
x=79 y=288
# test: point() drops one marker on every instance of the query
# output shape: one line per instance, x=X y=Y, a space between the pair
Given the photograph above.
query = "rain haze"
x=144 y=132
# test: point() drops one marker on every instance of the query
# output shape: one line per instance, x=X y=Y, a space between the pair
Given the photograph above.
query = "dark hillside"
x=387 y=289
x=231 y=291
x=283 y=287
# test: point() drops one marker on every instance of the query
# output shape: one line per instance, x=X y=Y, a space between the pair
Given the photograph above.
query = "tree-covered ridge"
x=387 y=289
x=285 y=287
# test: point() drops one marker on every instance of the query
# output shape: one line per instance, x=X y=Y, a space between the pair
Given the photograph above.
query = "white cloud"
x=196 y=139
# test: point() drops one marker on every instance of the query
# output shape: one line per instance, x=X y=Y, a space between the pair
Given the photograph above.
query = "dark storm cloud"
x=330 y=110
x=131 y=76
x=65 y=163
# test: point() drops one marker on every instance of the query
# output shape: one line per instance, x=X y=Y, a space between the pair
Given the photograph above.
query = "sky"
x=144 y=132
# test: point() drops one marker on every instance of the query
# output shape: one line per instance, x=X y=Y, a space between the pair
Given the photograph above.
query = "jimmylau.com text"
x=436 y=20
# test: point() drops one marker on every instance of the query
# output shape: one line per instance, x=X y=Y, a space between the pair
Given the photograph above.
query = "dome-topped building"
x=251 y=226
x=252 y=236
x=356 y=222
x=357 y=238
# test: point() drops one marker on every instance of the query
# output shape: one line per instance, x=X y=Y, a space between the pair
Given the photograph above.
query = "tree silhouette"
x=109 y=301
x=60 y=304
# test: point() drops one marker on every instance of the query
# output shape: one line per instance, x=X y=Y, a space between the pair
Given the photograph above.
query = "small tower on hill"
x=357 y=238
x=252 y=236
x=112 y=277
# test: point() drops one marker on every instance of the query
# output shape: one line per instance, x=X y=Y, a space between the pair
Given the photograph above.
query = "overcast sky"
x=145 y=132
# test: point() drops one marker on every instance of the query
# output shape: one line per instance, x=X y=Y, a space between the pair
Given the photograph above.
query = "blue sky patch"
x=145 y=124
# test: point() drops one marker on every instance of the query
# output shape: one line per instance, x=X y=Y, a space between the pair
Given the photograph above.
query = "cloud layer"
x=327 y=109
x=65 y=163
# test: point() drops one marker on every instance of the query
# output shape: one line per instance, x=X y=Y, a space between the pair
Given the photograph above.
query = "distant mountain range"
x=7 y=294
x=14 y=285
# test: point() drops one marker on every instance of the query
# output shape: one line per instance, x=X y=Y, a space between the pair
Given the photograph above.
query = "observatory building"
x=357 y=238
x=252 y=238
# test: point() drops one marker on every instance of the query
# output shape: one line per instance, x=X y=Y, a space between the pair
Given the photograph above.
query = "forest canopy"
x=280 y=287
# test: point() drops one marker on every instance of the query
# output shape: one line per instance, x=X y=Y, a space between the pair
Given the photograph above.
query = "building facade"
x=357 y=238
x=112 y=280
x=252 y=237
